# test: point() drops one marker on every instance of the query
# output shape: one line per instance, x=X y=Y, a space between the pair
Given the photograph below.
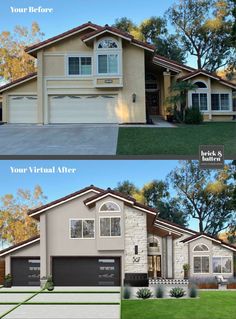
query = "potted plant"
x=186 y=268
x=49 y=285
x=43 y=281
x=8 y=281
x=170 y=114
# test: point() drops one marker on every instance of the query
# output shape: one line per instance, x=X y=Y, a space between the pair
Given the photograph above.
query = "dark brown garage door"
x=25 y=271
x=2 y=271
x=86 y=271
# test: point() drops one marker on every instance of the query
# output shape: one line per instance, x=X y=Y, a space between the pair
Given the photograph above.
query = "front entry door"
x=152 y=103
x=154 y=266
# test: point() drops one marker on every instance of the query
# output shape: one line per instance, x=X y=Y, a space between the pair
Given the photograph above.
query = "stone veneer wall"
x=180 y=252
x=135 y=234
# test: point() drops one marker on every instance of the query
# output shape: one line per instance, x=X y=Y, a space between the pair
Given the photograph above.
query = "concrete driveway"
x=62 y=303
x=71 y=139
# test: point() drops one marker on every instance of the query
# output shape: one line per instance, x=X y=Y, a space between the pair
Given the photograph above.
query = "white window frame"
x=110 y=217
x=199 y=91
x=222 y=273
x=200 y=251
x=230 y=101
x=110 y=51
x=110 y=211
x=82 y=219
x=202 y=273
x=78 y=56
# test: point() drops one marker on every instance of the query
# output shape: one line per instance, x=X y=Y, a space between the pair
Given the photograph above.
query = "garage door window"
x=79 y=65
x=81 y=228
x=110 y=227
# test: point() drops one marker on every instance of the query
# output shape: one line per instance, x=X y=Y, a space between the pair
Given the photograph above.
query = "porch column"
x=169 y=256
x=167 y=83
x=43 y=246
x=40 y=87
x=209 y=98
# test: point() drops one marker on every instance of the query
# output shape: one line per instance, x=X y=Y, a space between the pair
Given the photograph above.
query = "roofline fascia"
x=18 y=83
x=173 y=63
x=19 y=247
x=62 y=202
x=108 y=194
x=104 y=31
x=180 y=228
x=200 y=236
x=169 y=230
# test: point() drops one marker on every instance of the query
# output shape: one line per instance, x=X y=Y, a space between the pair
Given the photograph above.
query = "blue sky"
x=101 y=173
x=71 y=13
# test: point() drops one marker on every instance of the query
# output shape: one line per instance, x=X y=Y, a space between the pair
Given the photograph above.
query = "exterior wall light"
x=134 y=97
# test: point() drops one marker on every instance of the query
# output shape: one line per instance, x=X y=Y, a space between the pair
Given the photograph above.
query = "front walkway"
x=62 y=303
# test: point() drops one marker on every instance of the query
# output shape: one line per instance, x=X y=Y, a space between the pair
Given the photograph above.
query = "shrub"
x=159 y=292
x=126 y=292
x=193 y=292
x=49 y=285
x=178 y=116
x=177 y=292
x=144 y=293
x=193 y=116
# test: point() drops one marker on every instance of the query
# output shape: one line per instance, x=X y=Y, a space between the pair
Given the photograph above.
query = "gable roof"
x=161 y=60
x=33 y=48
x=20 y=245
x=18 y=81
x=212 y=238
x=127 y=199
x=39 y=210
x=211 y=75
x=178 y=227
x=119 y=33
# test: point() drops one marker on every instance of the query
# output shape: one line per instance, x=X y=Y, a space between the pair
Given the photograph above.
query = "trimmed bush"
x=177 y=292
x=144 y=293
x=49 y=284
x=126 y=292
x=159 y=292
x=193 y=116
x=193 y=292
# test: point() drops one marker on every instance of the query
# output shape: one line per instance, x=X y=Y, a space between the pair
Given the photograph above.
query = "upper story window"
x=109 y=207
x=82 y=228
x=79 y=65
x=201 y=247
x=108 y=57
x=110 y=226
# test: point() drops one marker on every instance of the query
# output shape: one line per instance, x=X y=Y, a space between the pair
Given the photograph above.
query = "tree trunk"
x=200 y=226
x=199 y=62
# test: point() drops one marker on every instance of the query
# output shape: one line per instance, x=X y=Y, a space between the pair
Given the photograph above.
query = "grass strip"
x=21 y=303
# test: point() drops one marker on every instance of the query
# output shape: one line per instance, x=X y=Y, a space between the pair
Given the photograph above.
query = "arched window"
x=201 y=247
x=200 y=85
x=109 y=207
x=107 y=44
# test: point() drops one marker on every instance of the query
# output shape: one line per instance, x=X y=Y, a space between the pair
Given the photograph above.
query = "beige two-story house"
x=97 y=237
x=94 y=74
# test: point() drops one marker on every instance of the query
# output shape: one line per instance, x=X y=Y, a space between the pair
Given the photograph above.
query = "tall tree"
x=127 y=188
x=15 y=224
x=154 y=30
x=14 y=62
x=205 y=196
x=204 y=27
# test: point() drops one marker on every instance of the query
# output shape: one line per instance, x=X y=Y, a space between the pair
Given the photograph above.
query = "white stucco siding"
x=135 y=234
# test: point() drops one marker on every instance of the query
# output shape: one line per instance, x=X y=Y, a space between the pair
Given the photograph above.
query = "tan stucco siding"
x=75 y=83
x=133 y=82
x=54 y=65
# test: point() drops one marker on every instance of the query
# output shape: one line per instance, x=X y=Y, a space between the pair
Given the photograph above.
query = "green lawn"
x=210 y=305
x=183 y=140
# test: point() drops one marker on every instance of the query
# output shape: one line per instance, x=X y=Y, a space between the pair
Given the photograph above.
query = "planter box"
x=207 y=286
x=231 y=285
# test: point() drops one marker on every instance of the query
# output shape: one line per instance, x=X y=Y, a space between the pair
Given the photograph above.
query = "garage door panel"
x=83 y=109
x=23 y=109
x=86 y=271
x=25 y=271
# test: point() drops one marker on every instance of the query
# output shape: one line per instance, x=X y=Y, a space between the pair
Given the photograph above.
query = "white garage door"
x=83 y=109
x=23 y=109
